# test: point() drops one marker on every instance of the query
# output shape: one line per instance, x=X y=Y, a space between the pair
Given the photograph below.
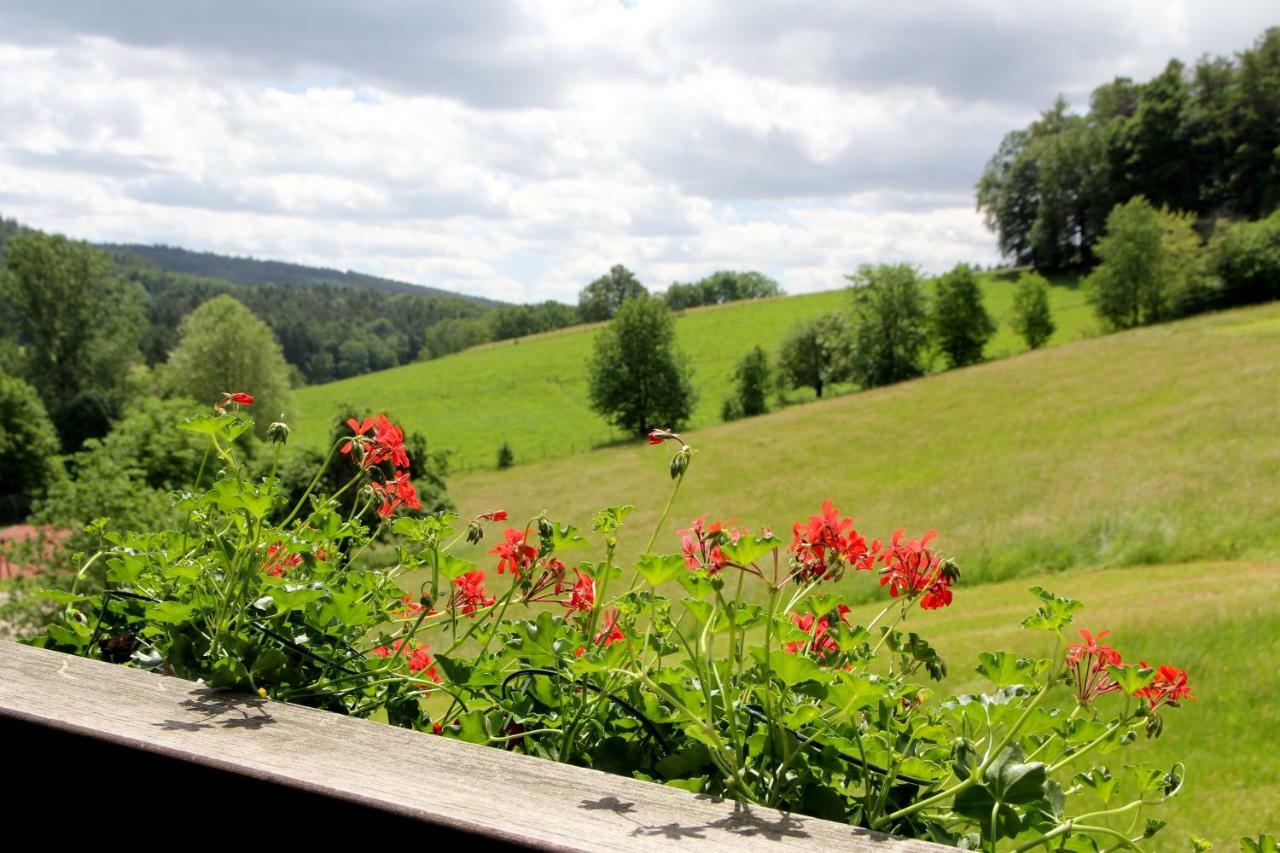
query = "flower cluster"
x=1088 y=662
x=1169 y=686
x=703 y=544
x=419 y=658
x=826 y=544
x=395 y=493
x=911 y=568
x=278 y=562
x=582 y=598
x=515 y=554
x=469 y=593
x=382 y=441
x=820 y=629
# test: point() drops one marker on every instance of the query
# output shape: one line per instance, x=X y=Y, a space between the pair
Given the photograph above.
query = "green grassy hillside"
x=1151 y=446
x=532 y=392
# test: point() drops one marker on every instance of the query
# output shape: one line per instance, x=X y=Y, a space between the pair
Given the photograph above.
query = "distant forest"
x=333 y=324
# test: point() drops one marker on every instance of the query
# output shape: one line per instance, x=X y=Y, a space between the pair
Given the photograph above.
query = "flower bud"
x=680 y=463
x=546 y=529
x=475 y=532
x=278 y=432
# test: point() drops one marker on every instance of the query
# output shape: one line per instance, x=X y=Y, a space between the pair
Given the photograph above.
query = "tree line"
x=1203 y=140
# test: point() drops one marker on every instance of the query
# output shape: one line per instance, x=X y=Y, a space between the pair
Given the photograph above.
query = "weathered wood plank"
x=433 y=782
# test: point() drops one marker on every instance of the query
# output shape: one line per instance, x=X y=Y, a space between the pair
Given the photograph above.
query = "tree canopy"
x=890 y=324
x=813 y=354
x=602 y=298
x=960 y=323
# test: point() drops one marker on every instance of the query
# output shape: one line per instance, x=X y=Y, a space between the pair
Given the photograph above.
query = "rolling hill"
x=532 y=392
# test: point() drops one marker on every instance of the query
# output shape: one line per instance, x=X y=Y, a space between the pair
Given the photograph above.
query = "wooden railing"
x=117 y=754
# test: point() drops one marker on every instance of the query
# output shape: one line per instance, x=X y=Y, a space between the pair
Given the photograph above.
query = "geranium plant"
x=728 y=663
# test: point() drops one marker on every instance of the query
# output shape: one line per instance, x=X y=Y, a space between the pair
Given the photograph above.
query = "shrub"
x=770 y=695
x=1032 y=319
x=751 y=386
x=1246 y=260
x=637 y=378
x=961 y=325
x=506 y=457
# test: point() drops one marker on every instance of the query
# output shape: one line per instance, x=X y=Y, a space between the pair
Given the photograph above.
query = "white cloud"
x=519 y=150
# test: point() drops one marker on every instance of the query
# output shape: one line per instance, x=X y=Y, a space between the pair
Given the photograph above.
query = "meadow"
x=532 y=392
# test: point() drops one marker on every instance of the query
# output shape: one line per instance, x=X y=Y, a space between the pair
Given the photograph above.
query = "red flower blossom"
x=657 y=436
x=470 y=592
x=411 y=609
x=825 y=544
x=419 y=658
x=702 y=544
x=436 y=728
x=516 y=556
x=823 y=644
x=277 y=563
x=1169 y=686
x=912 y=569
x=582 y=598
x=385 y=444
x=395 y=493
x=496 y=515
x=609 y=633
x=1088 y=662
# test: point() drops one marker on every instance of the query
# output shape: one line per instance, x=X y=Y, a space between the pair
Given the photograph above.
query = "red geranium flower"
x=470 y=592
x=496 y=515
x=1169 y=686
x=582 y=598
x=1088 y=662
x=912 y=569
x=395 y=493
x=276 y=563
x=386 y=444
x=515 y=555
x=702 y=544
x=419 y=658
x=826 y=543
x=610 y=633
x=822 y=645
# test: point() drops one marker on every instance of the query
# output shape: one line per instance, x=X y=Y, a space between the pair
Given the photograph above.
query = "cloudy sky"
x=517 y=150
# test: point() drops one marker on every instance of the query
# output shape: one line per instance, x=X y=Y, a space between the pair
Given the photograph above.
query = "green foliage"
x=455 y=335
x=127 y=474
x=721 y=288
x=814 y=354
x=889 y=326
x=506 y=457
x=226 y=349
x=1246 y=260
x=79 y=327
x=28 y=449
x=751 y=380
x=960 y=324
x=1152 y=261
x=601 y=299
x=1032 y=318
x=638 y=379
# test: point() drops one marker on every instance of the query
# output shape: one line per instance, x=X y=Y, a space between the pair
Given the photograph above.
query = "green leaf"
x=791 y=669
x=1131 y=678
x=657 y=569
x=1054 y=613
x=268 y=665
x=693 y=786
x=1012 y=781
x=170 y=613
x=1262 y=844
x=853 y=691
x=688 y=760
x=1100 y=782
x=1004 y=669
x=749 y=548
x=454 y=567
x=565 y=537
x=978 y=804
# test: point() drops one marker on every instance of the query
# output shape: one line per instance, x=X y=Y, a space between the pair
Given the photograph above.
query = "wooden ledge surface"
x=475 y=790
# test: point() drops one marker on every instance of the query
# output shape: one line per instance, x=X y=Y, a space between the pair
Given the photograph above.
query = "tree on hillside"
x=225 y=348
x=638 y=379
x=1151 y=261
x=601 y=299
x=1031 y=317
x=750 y=387
x=814 y=353
x=28 y=449
x=1246 y=259
x=890 y=324
x=961 y=325
x=79 y=326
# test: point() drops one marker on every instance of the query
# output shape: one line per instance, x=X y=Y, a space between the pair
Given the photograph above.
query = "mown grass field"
x=1220 y=621
x=532 y=392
